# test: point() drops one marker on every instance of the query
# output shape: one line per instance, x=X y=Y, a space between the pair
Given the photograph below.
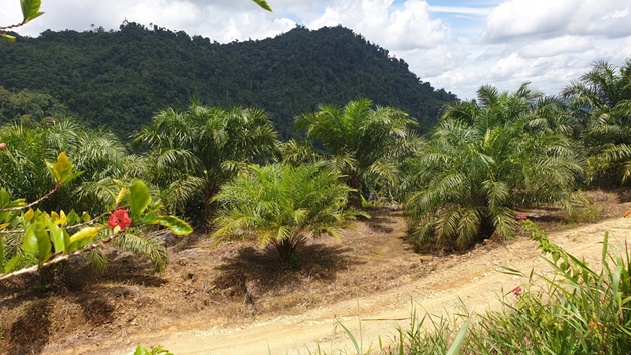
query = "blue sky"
x=455 y=45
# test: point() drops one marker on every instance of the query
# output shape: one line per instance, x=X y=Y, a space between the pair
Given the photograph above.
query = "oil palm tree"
x=362 y=140
x=484 y=160
x=602 y=99
x=193 y=153
x=283 y=206
x=98 y=155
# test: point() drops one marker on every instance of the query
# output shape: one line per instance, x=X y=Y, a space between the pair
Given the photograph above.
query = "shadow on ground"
x=261 y=272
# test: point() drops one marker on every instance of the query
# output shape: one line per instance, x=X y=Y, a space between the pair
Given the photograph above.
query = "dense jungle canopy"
x=120 y=79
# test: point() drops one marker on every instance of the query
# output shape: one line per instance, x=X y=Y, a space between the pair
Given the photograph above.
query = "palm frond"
x=149 y=246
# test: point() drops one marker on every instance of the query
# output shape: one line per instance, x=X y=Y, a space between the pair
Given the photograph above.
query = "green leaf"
x=140 y=350
x=263 y=4
x=82 y=237
x=351 y=337
x=6 y=36
x=57 y=237
x=10 y=266
x=139 y=198
x=121 y=195
x=459 y=340
x=30 y=9
x=62 y=169
x=176 y=225
x=37 y=241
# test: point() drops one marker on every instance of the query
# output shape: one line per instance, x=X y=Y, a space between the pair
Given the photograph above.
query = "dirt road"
x=472 y=279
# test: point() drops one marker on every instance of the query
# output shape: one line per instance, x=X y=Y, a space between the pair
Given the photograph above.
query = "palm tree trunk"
x=354 y=197
x=210 y=190
x=287 y=247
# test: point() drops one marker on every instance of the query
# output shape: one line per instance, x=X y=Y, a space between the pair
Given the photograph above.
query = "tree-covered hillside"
x=121 y=78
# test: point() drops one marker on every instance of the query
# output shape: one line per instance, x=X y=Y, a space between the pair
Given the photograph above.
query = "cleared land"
x=234 y=299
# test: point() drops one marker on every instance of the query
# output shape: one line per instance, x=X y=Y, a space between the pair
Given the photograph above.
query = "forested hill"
x=119 y=79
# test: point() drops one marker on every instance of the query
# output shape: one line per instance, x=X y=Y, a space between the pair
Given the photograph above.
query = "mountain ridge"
x=119 y=79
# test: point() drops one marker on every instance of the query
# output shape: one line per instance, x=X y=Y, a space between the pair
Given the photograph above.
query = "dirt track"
x=471 y=279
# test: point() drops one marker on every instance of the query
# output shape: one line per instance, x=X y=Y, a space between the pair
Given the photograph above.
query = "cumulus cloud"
x=396 y=28
x=545 y=18
x=556 y=46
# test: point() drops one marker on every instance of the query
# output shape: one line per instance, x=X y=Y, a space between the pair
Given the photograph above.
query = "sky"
x=456 y=45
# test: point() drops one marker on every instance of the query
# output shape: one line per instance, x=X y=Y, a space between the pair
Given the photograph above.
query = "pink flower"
x=516 y=291
x=522 y=217
x=120 y=218
x=592 y=324
x=2 y=146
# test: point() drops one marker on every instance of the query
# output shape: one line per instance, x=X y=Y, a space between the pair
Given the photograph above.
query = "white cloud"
x=394 y=28
x=556 y=46
x=546 y=18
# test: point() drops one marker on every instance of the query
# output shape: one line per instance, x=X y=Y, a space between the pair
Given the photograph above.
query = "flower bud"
x=3 y=145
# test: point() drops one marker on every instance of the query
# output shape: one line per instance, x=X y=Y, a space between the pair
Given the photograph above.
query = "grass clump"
x=574 y=309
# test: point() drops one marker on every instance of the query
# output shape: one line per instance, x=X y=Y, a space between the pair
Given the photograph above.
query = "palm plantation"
x=602 y=99
x=362 y=141
x=484 y=160
x=193 y=153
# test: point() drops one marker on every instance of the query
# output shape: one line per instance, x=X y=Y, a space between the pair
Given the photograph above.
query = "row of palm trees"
x=461 y=183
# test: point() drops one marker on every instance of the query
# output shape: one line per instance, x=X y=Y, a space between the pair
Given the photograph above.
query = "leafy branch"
x=30 y=11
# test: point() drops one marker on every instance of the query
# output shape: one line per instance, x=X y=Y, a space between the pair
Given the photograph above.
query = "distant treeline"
x=120 y=79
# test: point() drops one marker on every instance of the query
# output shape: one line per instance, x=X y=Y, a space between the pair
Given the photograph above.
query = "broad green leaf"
x=62 y=169
x=57 y=236
x=176 y=225
x=72 y=217
x=263 y=4
x=30 y=9
x=36 y=239
x=139 y=198
x=140 y=350
x=82 y=237
x=10 y=266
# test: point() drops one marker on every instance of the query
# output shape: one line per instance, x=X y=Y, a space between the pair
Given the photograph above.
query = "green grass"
x=574 y=309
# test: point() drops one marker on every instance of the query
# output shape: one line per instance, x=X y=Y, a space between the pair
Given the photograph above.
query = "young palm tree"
x=484 y=160
x=283 y=206
x=98 y=155
x=362 y=140
x=193 y=153
x=602 y=98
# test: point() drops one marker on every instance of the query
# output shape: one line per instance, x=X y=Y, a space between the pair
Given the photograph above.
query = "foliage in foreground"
x=31 y=239
x=283 y=206
x=574 y=309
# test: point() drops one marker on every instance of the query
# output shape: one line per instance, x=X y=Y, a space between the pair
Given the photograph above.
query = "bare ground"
x=235 y=299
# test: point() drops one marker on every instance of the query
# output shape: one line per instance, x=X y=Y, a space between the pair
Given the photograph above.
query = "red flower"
x=516 y=291
x=592 y=324
x=522 y=217
x=120 y=218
